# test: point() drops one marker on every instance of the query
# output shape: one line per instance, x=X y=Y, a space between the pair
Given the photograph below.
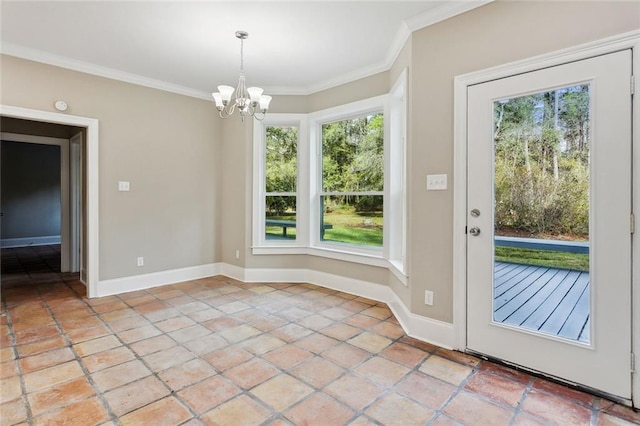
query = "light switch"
x=123 y=186
x=436 y=182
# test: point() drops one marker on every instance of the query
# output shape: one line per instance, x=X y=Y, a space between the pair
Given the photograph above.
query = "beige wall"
x=166 y=145
x=491 y=35
x=375 y=85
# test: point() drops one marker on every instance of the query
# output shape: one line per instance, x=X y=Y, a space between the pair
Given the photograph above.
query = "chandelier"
x=249 y=101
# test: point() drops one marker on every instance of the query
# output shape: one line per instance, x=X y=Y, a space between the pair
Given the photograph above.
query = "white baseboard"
x=423 y=328
x=419 y=327
x=30 y=241
x=155 y=279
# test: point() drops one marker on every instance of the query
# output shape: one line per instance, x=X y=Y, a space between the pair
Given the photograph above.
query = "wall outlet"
x=123 y=186
x=428 y=297
x=237 y=254
x=141 y=261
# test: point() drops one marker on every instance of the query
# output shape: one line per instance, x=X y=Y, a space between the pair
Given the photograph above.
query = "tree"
x=541 y=162
x=281 y=160
x=353 y=159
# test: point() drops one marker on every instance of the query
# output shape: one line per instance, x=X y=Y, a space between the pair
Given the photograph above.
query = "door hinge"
x=465 y=230
x=632 y=223
x=633 y=84
x=633 y=362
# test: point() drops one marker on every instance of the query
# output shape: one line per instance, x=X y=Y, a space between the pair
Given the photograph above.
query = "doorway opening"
x=82 y=152
x=41 y=200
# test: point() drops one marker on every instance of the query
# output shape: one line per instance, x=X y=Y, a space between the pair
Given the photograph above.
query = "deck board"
x=550 y=300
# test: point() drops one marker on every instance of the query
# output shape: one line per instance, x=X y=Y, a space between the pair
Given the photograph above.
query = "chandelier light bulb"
x=254 y=94
x=264 y=103
x=217 y=97
x=226 y=92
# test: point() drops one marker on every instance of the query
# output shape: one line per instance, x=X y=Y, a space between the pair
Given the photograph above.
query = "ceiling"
x=294 y=47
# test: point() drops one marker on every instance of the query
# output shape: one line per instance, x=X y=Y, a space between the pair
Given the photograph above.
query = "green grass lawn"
x=554 y=259
x=348 y=227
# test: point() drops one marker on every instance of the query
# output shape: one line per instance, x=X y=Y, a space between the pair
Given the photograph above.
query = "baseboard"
x=155 y=279
x=423 y=328
x=30 y=241
x=419 y=327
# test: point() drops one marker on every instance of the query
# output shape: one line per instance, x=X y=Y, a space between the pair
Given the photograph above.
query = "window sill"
x=397 y=269
x=327 y=252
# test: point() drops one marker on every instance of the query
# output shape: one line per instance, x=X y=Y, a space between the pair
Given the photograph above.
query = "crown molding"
x=430 y=17
x=445 y=11
x=36 y=55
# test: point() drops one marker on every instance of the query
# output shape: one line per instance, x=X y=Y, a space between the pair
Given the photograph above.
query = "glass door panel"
x=541 y=212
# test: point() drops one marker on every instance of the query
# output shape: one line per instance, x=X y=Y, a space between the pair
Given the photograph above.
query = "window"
x=351 y=197
x=281 y=177
x=276 y=184
x=332 y=183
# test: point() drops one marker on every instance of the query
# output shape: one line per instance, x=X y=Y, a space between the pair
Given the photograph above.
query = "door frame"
x=90 y=273
x=630 y=40
x=76 y=217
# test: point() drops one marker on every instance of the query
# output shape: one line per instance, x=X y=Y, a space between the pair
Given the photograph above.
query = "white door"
x=549 y=207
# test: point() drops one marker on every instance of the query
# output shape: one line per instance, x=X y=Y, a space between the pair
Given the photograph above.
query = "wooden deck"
x=552 y=301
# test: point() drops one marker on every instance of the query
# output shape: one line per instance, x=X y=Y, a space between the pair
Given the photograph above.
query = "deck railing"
x=540 y=244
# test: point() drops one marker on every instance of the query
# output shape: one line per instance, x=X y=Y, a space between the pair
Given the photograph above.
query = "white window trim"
x=397 y=179
x=378 y=104
x=391 y=255
x=258 y=231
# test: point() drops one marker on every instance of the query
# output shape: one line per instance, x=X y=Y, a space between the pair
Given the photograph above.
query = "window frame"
x=259 y=180
x=376 y=105
x=397 y=175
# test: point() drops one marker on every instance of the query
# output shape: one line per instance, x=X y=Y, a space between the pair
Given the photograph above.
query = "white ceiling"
x=294 y=47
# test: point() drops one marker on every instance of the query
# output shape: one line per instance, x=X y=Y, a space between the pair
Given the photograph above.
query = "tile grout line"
x=16 y=360
x=99 y=395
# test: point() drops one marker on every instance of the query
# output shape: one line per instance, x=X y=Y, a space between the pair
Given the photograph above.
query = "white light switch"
x=436 y=182
x=123 y=186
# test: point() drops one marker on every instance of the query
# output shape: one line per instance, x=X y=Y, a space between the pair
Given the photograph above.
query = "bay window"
x=332 y=183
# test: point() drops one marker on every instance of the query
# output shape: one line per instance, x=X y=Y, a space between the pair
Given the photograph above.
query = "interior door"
x=549 y=234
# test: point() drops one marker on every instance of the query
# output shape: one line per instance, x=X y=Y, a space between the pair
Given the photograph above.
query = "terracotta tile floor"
x=219 y=351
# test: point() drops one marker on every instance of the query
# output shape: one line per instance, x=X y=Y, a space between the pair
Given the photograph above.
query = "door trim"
x=91 y=124
x=630 y=40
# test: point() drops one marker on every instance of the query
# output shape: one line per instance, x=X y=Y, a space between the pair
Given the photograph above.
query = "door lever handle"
x=475 y=231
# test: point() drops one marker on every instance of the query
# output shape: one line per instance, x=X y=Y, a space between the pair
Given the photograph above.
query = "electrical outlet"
x=123 y=186
x=428 y=297
x=237 y=254
x=141 y=261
